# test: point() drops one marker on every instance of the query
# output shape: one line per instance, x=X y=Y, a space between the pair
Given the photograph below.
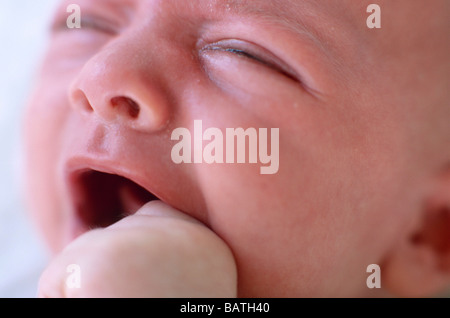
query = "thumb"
x=154 y=210
x=144 y=255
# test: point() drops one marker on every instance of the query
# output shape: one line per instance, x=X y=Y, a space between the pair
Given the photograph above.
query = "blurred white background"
x=23 y=25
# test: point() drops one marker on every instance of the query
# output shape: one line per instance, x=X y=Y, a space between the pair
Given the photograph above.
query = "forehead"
x=326 y=13
x=309 y=17
x=290 y=10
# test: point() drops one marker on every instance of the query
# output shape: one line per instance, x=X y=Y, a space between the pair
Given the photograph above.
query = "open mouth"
x=103 y=199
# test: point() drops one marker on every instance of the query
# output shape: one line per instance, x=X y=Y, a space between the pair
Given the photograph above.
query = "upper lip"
x=80 y=165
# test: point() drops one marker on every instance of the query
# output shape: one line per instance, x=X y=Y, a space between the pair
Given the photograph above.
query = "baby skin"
x=360 y=117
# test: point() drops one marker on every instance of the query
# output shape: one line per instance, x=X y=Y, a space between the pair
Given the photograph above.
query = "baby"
x=355 y=119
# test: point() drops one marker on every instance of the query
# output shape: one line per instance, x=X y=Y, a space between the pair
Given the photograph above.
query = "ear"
x=420 y=265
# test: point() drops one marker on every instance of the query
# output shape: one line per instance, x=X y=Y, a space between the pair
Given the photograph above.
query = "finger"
x=155 y=210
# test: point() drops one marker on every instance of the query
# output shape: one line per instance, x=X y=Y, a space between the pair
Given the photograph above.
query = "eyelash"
x=271 y=62
x=89 y=22
x=96 y=24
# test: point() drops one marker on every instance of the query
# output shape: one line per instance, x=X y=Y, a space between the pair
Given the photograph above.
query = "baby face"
x=351 y=105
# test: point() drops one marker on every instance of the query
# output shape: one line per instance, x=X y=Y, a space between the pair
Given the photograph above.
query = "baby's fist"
x=157 y=252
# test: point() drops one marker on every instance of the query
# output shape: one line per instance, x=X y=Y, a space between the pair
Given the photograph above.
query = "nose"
x=120 y=86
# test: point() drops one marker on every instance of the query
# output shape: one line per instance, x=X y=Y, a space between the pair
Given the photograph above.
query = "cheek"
x=270 y=223
x=316 y=219
x=271 y=228
x=43 y=120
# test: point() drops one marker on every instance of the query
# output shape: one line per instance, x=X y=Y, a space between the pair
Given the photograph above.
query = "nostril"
x=126 y=105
